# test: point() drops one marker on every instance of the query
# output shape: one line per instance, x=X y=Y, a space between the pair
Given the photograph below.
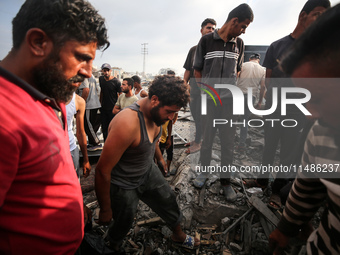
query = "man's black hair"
x=242 y=12
x=170 y=90
x=136 y=78
x=170 y=72
x=62 y=21
x=207 y=21
x=311 y=4
x=255 y=56
x=320 y=42
x=130 y=81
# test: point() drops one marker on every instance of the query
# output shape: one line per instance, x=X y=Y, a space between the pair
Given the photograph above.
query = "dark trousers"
x=155 y=192
x=169 y=151
x=92 y=123
x=195 y=108
x=106 y=117
x=226 y=135
x=289 y=138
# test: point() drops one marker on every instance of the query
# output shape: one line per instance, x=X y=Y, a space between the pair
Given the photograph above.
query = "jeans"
x=226 y=135
x=154 y=191
x=245 y=117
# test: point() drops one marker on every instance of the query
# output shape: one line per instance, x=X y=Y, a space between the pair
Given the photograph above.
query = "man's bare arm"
x=198 y=76
x=123 y=132
x=268 y=76
x=81 y=135
x=186 y=76
x=160 y=159
x=116 y=109
x=262 y=91
x=144 y=93
x=85 y=93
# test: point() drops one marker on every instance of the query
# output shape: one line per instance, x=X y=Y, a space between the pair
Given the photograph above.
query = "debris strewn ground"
x=241 y=227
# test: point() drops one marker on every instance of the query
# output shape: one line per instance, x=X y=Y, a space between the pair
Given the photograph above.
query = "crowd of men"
x=54 y=45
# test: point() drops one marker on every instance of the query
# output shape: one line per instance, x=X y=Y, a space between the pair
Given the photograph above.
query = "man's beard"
x=156 y=117
x=50 y=80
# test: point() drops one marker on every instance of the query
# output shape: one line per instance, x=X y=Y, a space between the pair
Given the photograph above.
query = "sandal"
x=189 y=243
x=275 y=202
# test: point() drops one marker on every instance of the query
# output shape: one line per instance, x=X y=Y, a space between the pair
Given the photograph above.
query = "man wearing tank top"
x=138 y=90
x=126 y=172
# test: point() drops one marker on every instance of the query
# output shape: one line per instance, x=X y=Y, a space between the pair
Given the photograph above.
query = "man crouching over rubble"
x=126 y=172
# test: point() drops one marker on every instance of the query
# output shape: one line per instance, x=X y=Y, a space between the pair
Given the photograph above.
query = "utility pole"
x=144 y=52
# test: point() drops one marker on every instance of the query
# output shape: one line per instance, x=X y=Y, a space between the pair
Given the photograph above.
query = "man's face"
x=313 y=15
x=240 y=27
x=324 y=104
x=208 y=29
x=125 y=87
x=161 y=114
x=61 y=73
x=106 y=72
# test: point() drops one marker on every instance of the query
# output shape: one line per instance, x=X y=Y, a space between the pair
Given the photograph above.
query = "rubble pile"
x=241 y=227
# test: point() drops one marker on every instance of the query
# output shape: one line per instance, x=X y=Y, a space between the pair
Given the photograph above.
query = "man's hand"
x=105 y=217
x=163 y=167
x=277 y=242
x=86 y=169
x=87 y=215
x=258 y=106
x=168 y=142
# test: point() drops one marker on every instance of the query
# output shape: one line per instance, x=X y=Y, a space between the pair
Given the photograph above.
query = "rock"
x=225 y=221
x=166 y=231
x=235 y=246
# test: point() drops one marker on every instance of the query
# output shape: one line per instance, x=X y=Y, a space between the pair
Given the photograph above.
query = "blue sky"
x=169 y=27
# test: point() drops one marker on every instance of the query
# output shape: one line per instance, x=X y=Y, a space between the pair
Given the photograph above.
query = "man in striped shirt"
x=315 y=56
x=218 y=59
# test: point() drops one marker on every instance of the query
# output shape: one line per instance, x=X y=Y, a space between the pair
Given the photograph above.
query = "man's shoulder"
x=253 y=65
x=282 y=41
x=126 y=119
x=193 y=49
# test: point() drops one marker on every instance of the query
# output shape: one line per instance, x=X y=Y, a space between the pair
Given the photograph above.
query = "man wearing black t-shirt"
x=110 y=90
x=207 y=26
x=288 y=137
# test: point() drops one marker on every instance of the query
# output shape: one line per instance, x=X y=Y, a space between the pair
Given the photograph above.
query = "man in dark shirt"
x=126 y=172
x=313 y=63
x=207 y=26
x=110 y=90
x=218 y=59
x=275 y=78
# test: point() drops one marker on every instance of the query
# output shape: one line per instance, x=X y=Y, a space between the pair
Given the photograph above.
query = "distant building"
x=117 y=72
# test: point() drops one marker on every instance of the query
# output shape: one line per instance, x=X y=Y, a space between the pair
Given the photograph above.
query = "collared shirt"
x=219 y=61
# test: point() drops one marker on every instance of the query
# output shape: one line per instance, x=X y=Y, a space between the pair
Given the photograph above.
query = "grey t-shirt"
x=92 y=101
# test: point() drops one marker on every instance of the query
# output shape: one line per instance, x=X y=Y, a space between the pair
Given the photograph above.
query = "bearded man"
x=126 y=172
x=41 y=204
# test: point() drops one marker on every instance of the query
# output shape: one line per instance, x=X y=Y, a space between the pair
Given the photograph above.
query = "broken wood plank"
x=247 y=236
x=226 y=252
x=264 y=210
x=202 y=195
x=267 y=226
x=237 y=221
x=198 y=237
x=207 y=242
x=153 y=221
x=133 y=244
x=207 y=236
x=208 y=227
